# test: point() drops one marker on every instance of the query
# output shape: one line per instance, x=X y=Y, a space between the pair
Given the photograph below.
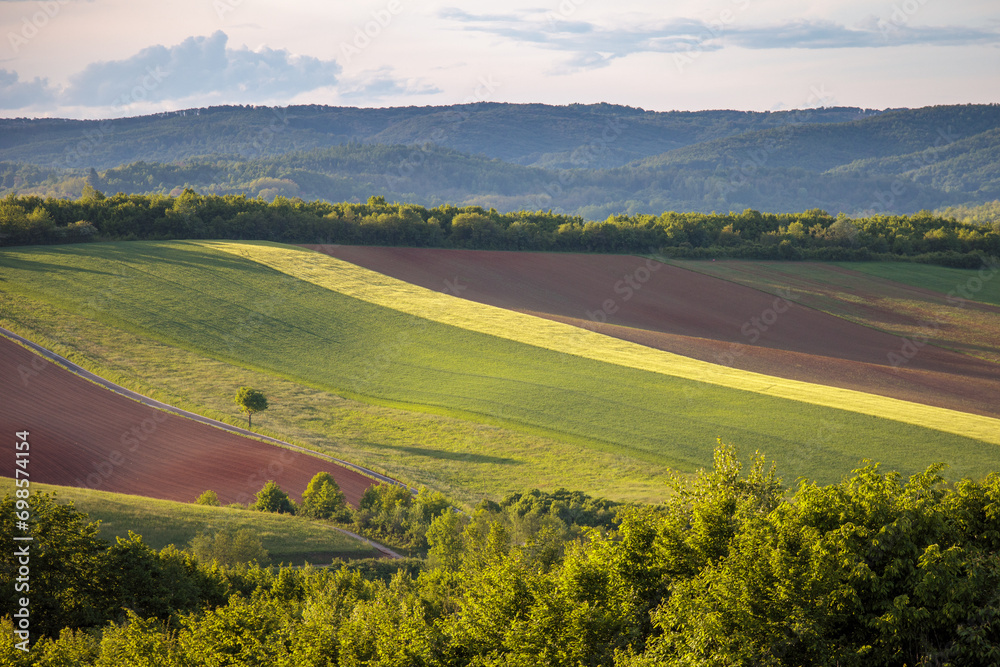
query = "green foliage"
x=540 y=524
x=323 y=499
x=208 y=498
x=271 y=498
x=392 y=513
x=390 y=628
x=73 y=648
x=444 y=537
x=871 y=571
x=987 y=214
x=66 y=565
x=590 y=160
x=20 y=225
x=230 y=546
x=140 y=643
x=732 y=569
x=151 y=584
x=571 y=507
x=246 y=631
x=811 y=234
x=250 y=402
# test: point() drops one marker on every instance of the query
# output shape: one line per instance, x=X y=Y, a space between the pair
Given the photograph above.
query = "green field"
x=288 y=539
x=466 y=460
x=381 y=290
x=973 y=284
x=221 y=305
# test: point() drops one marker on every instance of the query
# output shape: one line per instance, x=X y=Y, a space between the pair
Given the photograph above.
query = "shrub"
x=208 y=498
x=323 y=499
x=272 y=499
x=230 y=547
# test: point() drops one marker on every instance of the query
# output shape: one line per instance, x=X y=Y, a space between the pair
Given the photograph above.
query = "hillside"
x=91 y=437
x=589 y=160
x=287 y=538
x=340 y=329
x=679 y=310
x=530 y=134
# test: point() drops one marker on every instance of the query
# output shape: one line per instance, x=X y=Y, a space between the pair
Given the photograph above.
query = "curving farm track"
x=87 y=432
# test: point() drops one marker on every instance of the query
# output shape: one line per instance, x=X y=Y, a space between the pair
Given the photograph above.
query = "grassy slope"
x=468 y=461
x=220 y=304
x=288 y=539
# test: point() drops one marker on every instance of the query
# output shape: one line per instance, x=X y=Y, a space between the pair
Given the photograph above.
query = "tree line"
x=812 y=234
x=732 y=569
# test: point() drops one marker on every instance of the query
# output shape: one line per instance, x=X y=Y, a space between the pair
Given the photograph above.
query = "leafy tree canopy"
x=250 y=402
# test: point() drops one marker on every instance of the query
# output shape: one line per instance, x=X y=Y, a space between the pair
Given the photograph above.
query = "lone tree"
x=251 y=402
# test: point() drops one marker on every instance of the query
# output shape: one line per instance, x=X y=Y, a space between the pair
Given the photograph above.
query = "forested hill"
x=530 y=134
x=587 y=160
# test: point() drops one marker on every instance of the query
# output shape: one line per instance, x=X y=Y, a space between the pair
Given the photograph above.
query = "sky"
x=115 y=58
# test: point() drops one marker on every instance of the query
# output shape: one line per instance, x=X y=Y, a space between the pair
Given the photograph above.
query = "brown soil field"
x=84 y=435
x=696 y=315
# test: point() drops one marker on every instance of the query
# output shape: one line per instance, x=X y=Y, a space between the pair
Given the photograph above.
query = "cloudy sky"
x=112 y=58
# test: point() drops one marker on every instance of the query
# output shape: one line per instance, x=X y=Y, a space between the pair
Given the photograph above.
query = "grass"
x=878 y=295
x=468 y=461
x=381 y=290
x=973 y=284
x=288 y=539
x=222 y=305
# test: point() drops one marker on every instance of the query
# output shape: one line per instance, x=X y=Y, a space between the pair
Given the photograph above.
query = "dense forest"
x=732 y=569
x=527 y=134
x=812 y=234
x=586 y=160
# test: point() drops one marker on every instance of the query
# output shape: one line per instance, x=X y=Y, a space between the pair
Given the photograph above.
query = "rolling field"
x=224 y=306
x=681 y=311
x=288 y=539
x=467 y=460
x=85 y=435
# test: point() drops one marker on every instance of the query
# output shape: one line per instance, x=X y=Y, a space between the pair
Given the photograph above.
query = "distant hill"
x=590 y=160
x=529 y=134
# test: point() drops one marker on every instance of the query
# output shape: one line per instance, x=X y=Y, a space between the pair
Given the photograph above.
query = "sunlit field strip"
x=382 y=290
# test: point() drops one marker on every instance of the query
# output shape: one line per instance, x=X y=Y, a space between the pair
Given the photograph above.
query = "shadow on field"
x=450 y=456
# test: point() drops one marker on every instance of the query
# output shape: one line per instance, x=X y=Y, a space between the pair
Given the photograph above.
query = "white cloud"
x=199 y=66
x=381 y=84
x=17 y=94
x=594 y=45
